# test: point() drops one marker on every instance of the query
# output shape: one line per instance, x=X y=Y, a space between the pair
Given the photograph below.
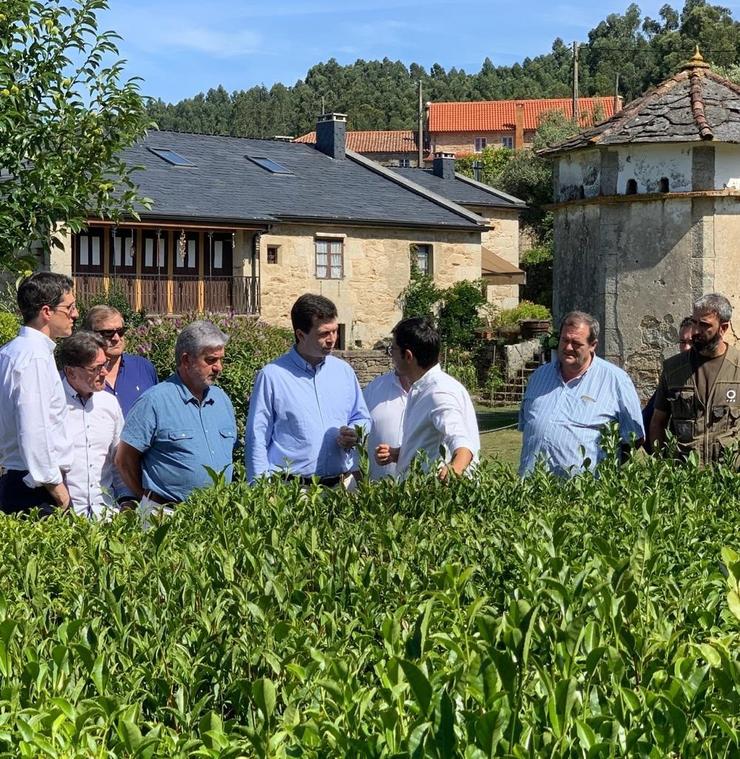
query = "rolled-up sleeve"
x=630 y=411
x=140 y=425
x=448 y=418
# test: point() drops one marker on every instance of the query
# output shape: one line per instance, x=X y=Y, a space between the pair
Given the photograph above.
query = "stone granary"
x=647 y=216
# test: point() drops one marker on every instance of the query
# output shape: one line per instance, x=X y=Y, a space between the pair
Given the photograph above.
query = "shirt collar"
x=301 y=362
x=186 y=395
x=71 y=393
x=426 y=379
x=38 y=335
x=579 y=377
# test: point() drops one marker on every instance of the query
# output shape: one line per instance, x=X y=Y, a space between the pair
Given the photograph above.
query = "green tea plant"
x=487 y=616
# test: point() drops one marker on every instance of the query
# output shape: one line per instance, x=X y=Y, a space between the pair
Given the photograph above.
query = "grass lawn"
x=497 y=437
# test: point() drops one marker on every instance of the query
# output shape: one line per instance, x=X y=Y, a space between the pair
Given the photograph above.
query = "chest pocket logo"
x=731 y=395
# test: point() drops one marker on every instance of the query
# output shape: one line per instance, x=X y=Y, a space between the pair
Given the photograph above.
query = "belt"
x=327 y=482
x=160 y=500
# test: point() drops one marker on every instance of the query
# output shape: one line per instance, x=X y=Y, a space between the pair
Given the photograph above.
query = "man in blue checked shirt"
x=306 y=404
x=568 y=402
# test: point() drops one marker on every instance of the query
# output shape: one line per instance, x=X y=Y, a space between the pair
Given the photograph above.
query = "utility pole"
x=420 y=138
x=575 y=84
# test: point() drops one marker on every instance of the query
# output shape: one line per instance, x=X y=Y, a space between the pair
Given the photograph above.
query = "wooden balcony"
x=179 y=294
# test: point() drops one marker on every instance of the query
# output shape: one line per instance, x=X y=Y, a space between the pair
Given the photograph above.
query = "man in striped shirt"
x=568 y=402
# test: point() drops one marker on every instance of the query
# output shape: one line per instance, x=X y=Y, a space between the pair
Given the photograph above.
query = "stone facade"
x=502 y=238
x=377 y=266
x=463 y=143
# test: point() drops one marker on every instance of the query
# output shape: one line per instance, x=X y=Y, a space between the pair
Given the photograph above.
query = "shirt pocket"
x=176 y=440
x=227 y=436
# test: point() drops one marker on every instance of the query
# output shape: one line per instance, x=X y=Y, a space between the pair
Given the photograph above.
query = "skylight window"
x=267 y=163
x=166 y=154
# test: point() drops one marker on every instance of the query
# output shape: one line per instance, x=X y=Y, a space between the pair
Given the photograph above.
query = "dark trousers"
x=17 y=498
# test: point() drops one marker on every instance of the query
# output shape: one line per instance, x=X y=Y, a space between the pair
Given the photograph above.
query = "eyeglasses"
x=68 y=308
x=97 y=369
x=685 y=342
x=107 y=334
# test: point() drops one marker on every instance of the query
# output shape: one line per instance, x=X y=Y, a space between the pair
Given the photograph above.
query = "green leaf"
x=263 y=693
x=560 y=705
x=420 y=686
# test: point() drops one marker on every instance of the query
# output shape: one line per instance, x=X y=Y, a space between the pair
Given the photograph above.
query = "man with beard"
x=568 y=402
x=698 y=397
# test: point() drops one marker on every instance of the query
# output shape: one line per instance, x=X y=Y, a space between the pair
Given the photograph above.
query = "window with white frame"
x=404 y=163
x=507 y=142
x=421 y=257
x=480 y=144
x=329 y=259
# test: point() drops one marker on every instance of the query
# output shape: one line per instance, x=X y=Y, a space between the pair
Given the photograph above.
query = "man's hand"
x=60 y=495
x=461 y=460
x=347 y=437
x=384 y=454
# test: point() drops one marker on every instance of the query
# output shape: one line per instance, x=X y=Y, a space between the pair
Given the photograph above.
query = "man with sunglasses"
x=35 y=443
x=95 y=424
x=128 y=375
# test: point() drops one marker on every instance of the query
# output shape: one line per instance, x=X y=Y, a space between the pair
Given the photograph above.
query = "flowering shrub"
x=252 y=344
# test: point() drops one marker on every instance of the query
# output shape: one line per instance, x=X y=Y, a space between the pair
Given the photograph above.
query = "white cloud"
x=216 y=42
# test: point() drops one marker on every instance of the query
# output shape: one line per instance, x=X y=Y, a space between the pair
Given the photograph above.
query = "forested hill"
x=640 y=51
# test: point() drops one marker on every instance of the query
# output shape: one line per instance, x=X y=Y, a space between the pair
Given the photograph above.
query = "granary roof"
x=500 y=115
x=693 y=105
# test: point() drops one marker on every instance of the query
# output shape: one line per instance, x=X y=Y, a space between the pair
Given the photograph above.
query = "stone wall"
x=367 y=364
x=463 y=143
x=377 y=266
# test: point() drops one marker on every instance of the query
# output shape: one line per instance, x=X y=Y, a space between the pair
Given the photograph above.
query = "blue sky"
x=183 y=47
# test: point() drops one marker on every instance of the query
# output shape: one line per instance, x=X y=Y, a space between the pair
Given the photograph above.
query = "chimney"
x=519 y=127
x=443 y=165
x=330 y=134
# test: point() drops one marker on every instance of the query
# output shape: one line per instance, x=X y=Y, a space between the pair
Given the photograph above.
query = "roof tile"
x=500 y=115
x=392 y=141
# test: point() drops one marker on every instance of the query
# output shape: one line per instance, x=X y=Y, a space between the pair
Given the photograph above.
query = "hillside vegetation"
x=641 y=51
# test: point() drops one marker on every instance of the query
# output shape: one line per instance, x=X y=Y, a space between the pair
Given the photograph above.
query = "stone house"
x=647 y=216
x=500 y=241
x=248 y=225
x=464 y=128
x=395 y=147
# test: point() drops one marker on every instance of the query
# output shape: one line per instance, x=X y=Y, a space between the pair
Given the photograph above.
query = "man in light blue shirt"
x=178 y=428
x=305 y=405
x=568 y=402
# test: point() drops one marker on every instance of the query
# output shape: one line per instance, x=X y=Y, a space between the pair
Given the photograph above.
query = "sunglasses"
x=107 y=334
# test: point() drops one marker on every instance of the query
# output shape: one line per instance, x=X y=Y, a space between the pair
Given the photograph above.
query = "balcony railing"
x=175 y=295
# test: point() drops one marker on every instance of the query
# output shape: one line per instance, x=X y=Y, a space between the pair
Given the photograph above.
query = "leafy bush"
x=9 y=326
x=420 y=297
x=252 y=344
x=525 y=310
x=459 y=317
x=486 y=617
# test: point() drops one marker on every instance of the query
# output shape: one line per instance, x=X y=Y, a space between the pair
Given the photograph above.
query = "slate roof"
x=461 y=189
x=693 y=105
x=223 y=185
x=393 y=141
x=500 y=115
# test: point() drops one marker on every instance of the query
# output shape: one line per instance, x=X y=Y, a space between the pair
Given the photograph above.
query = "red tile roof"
x=397 y=141
x=500 y=115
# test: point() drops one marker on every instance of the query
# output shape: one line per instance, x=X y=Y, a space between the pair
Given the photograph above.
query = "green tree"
x=64 y=117
x=459 y=317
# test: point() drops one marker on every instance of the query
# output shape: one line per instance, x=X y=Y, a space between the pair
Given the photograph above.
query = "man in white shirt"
x=35 y=446
x=386 y=398
x=439 y=412
x=95 y=423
